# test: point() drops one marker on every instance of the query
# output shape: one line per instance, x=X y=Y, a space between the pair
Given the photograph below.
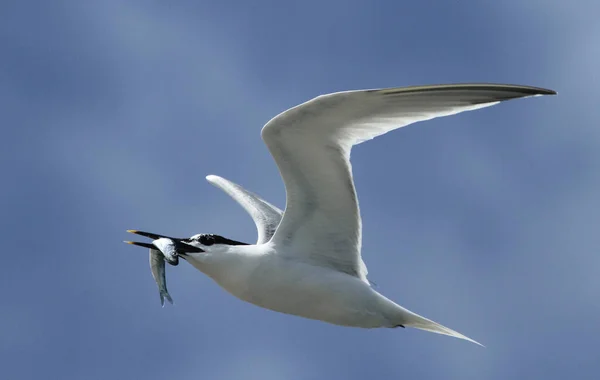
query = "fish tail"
x=163 y=295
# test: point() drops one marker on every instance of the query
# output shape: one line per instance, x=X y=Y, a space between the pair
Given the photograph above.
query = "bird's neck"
x=228 y=264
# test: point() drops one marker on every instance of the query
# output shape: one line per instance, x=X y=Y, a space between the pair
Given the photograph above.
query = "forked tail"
x=418 y=322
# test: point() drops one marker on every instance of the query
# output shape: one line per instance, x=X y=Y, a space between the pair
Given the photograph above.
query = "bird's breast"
x=309 y=291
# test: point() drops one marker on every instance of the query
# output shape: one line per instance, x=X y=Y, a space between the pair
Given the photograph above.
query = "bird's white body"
x=307 y=261
x=257 y=274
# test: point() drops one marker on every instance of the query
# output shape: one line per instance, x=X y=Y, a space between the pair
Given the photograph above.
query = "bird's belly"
x=314 y=292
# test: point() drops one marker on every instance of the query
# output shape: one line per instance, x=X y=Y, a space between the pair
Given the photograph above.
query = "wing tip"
x=543 y=92
x=525 y=90
x=212 y=178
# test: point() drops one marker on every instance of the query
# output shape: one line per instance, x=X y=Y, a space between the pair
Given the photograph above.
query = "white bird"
x=307 y=260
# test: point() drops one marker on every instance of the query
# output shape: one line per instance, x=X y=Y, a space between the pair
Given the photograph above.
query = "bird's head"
x=182 y=247
x=211 y=242
x=189 y=247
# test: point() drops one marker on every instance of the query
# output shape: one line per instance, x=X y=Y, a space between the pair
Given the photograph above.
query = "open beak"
x=145 y=245
x=151 y=235
x=180 y=244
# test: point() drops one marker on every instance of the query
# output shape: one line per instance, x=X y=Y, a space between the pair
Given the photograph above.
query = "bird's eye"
x=207 y=239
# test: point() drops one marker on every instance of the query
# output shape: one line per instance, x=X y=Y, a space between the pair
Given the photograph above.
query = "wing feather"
x=311 y=145
x=266 y=217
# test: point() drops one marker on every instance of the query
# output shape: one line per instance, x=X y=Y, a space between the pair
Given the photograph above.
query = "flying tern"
x=307 y=260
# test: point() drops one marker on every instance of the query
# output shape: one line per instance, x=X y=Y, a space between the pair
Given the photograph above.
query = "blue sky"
x=114 y=112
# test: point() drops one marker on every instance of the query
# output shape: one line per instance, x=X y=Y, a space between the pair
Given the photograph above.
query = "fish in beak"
x=163 y=249
x=180 y=244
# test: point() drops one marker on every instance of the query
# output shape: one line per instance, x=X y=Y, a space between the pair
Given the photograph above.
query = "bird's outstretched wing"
x=265 y=215
x=311 y=145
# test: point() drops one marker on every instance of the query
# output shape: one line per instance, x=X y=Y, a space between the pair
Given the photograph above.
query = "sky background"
x=113 y=112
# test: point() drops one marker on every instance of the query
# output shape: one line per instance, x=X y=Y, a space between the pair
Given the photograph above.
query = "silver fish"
x=165 y=252
x=167 y=247
x=162 y=249
x=157 y=266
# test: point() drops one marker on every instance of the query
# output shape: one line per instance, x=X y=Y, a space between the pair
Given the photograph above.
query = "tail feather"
x=418 y=322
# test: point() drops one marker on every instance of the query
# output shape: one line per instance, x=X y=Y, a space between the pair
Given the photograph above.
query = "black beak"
x=180 y=244
x=151 y=235
x=145 y=245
